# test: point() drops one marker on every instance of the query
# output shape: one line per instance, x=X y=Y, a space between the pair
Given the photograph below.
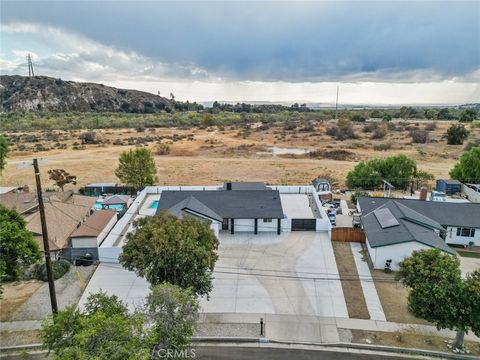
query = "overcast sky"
x=383 y=52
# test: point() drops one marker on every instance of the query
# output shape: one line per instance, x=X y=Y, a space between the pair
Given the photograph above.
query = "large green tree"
x=18 y=248
x=106 y=330
x=398 y=170
x=467 y=169
x=173 y=314
x=439 y=295
x=137 y=168
x=3 y=152
x=167 y=249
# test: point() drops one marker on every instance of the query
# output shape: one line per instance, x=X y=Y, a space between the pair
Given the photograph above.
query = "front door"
x=225 y=224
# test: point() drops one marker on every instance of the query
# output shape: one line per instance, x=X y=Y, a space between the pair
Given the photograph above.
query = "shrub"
x=89 y=137
x=456 y=134
x=431 y=126
x=358 y=118
x=379 y=132
x=419 y=136
x=382 y=147
x=162 y=149
x=472 y=144
x=356 y=195
x=59 y=268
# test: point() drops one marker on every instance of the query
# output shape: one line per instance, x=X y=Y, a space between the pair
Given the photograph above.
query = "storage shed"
x=449 y=186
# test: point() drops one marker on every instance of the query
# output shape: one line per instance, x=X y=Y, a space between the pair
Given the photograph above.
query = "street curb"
x=383 y=348
x=254 y=340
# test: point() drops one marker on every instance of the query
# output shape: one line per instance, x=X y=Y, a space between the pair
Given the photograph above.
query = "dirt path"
x=68 y=289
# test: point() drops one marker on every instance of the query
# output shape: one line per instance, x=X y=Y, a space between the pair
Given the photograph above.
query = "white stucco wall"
x=473 y=195
x=396 y=252
x=452 y=237
x=84 y=242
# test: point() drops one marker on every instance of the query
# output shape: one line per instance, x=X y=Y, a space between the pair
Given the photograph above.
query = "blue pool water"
x=154 y=204
x=98 y=205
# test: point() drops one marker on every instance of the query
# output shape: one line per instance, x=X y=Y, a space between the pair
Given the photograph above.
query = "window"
x=267 y=220
x=466 y=232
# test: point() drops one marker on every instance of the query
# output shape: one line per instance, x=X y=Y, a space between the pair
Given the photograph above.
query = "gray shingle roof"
x=444 y=213
x=228 y=204
x=191 y=204
x=407 y=229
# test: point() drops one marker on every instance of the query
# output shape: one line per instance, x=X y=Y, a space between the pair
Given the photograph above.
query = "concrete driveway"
x=292 y=273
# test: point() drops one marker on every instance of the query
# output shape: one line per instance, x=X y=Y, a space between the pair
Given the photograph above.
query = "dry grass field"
x=275 y=153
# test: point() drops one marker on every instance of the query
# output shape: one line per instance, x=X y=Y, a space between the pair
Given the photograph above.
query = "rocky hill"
x=42 y=93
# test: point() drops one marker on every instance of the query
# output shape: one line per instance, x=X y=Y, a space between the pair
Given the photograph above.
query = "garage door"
x=303 y=224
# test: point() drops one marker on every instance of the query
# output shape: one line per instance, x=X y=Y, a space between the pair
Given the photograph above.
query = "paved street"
x=267 y=353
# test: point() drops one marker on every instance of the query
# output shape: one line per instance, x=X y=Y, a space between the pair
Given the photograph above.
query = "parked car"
x=85 y=260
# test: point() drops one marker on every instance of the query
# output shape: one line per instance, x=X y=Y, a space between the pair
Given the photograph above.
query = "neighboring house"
x=27 y=202
x=460 y=222
x=62 y=220
x=64 y=212
x=393 y=231
x=91 y=233
x=237 y=207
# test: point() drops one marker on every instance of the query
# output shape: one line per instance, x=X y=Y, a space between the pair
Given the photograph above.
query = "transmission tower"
x=30 y=66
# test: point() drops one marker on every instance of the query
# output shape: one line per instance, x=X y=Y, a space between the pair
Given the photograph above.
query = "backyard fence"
x=348 y=234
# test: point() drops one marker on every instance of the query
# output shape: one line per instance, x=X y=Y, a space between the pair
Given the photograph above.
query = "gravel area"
x=238 y=330
x=69 y=289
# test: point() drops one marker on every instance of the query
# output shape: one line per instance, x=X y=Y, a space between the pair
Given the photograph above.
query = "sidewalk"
x=20 y=325
x=372 y=300
x=316 y=329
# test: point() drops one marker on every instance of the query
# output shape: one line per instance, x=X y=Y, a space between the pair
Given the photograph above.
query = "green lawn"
x=469 y=254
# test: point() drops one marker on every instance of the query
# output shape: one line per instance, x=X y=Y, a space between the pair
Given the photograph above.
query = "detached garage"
x=92 y=232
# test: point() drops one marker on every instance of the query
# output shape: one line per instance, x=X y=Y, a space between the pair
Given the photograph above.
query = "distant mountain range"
x=42 y=93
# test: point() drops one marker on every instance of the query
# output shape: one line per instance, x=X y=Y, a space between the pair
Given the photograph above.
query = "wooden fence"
x=348 y=234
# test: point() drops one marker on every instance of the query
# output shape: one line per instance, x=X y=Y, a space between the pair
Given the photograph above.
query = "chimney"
x=423 y=193
x=229 y=185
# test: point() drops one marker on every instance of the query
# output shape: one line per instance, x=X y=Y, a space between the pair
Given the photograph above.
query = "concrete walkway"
x=26 y=325
x=374 y=305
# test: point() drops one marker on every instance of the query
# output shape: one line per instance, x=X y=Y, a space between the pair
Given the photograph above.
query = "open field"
x=277 y=153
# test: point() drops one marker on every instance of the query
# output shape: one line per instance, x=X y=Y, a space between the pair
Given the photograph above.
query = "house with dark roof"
x=393 y=231
x=237 y=207
x=460 y=221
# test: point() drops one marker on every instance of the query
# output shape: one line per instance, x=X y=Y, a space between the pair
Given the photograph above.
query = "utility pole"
x=30 y=66
x=336 y=105
x=46 y=246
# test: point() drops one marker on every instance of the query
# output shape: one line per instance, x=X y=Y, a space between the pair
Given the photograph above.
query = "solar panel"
x=385 y=218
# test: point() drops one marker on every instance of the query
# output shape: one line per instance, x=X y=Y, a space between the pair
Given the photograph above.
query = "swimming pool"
x=98 y=206
x=154 y=205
